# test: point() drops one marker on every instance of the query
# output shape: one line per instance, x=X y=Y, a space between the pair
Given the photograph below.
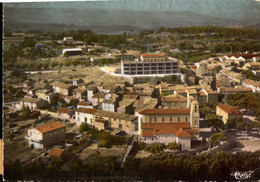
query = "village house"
x=84 y=115
x=231 y=90
x=80 y=94
x=91 y=90
x=174 y=101
x=65 y=113
x=63 y=89
x=254 y=85
x=33 y=103
x=101 y=124
x=227 y=112
x=208 y=96
x=46 y=135
x=110 y=105
x=126 y=106
x=77 y=82
x=98 y=98
x=124 y=122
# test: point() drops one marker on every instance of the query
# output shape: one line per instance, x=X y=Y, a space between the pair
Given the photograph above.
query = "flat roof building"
x=149 y=64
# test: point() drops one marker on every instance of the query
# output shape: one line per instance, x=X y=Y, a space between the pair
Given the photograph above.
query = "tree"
x=214 y=120
x=83 y=127
x=217 y=137
x=173 y=78
x=45 y=65
x=156 y=148
x=204 y=108
x=38 y=65
x=11 y=136
x=174 y=146
x=75 y=62
x=53 y=64
x=25 y=113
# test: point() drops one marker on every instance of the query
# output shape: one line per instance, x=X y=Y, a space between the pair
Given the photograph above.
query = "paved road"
x=128 y=151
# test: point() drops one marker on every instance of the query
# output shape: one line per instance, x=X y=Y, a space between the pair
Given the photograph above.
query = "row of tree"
x=167 y=167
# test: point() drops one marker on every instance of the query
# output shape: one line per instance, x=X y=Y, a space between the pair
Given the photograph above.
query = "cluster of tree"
x=243 y=46
x=105 y=61
x=249 y=101
x=221 y=31
x=167 y=167
x=105 y=139
x=185 y=46
x=170 y=167
x=250 y=75
x=25 y=114
x=158 y=148
x=238 y=123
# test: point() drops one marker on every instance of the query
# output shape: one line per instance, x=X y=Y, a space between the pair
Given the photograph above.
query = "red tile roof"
x=56 y=152
x=83 y=104
x=50 y=127
x=180 y=129
x=164 y=111
x=64 y=110
x=229 y=109
x=86 y=110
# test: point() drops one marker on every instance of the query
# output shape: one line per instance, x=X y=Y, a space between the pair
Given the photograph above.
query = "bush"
x=83 y=127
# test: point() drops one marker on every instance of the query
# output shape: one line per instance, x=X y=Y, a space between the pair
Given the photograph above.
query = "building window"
x=162 y=119
x=195 y=108
x=195 y=122
x=186 y=119
x=152 y=138
x=90 y=120
x=178 y=119
x=170 y=119
x=154 y=119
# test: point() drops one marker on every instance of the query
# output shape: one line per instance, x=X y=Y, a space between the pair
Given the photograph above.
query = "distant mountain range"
x=129 y=15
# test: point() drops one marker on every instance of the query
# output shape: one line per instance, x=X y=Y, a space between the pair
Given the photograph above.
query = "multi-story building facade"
x=149 y=64
x=46 y=135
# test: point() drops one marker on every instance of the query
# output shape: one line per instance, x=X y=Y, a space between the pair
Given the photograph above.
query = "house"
x=231 y=90
x=227 y=112
x=80 y=94
x=124 y=122
x=109 y=105
x=33 y=103
x=208 y=96
x=42 y=93
x=98 y=98
x=63 y=89
x=77 y=82
x=101 y=124
x=174 y=101
x=56 y=152
x=254 y=85
x=169 y=125
x=84 y=115
x=84 y=105
x=46 y=135
x=126 y=106
x=68 y=39
x=91 y=90
x=65 y=113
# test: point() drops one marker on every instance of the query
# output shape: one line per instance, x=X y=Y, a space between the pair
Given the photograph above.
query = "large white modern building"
x=150 y=63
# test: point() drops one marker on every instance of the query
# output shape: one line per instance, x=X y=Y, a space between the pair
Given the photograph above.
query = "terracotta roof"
x=50 y=127
x=182 y=133
x=56 y=152
x=148 y=55
x=86 y=110
x=64 y=110
x=229 y=109
x=180 y=129
x=174 y=98
x=164 y=111
x=83 y=104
